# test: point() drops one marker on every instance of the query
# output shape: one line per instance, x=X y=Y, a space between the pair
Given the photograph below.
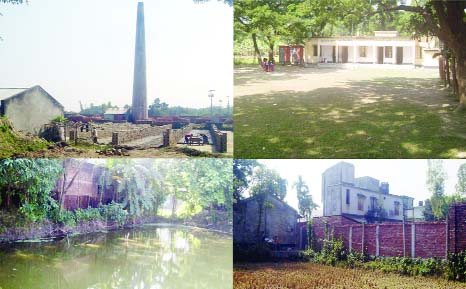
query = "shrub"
x=456 y=266
x=67 y=218
x=89 y=214
x=114 y=212
x=59 y=119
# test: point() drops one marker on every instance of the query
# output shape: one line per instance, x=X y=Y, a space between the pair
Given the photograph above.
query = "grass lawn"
x=366 y=112
x=308 y=275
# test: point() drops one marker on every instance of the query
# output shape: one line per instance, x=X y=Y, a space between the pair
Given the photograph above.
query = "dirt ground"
x=298 y=112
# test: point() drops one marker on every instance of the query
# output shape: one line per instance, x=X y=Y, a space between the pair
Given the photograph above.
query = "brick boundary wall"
x=418 y=239
x=219 y=139
x=120 y=137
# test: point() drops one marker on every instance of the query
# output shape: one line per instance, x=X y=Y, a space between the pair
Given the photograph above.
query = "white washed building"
x=385 y=47
x=345 y=195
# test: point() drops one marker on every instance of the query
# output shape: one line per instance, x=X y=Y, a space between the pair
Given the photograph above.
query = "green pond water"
x=150 y=257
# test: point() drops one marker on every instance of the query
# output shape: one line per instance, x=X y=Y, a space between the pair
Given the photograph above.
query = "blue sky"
x=406 y=177
x=84 y=50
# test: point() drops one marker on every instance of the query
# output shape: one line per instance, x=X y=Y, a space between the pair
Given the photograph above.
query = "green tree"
x=428 y=213
x=242 y=173
x=30 y=181
x=305 y=203
x=436 y=185
x=461 y=184
x=266 y=182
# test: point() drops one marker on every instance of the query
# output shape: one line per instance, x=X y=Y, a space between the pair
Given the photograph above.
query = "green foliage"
x=67 y=218
x=59 y=119
x=96 y=109
x=89 y=214
x=407 y=266
x=114 y=212
x=436 y=184
x=461 y=184
x=456 y=266
x=242 y=173
x=158 y=108
x=332 y=252
x=355 y=259
x=31 y=181
x=305 y=203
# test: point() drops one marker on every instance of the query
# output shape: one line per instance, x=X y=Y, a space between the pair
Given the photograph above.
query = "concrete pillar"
x=350 y=238
x=115 y=138
x=354 y=52
x=413 y=240
x=414 y=53
x=318 y=51
x=377 y=242
x=362 y=241
x=336 y=54
x=374 y=54
x=72 y=135
x=139 y=108
x=394 y=54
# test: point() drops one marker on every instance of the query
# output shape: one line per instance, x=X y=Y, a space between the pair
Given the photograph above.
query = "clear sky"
x=84 y=50
x=406 y=177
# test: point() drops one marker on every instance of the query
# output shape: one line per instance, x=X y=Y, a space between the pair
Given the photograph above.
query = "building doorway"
x=344 y=54
x=380 y=55
x=399 y=55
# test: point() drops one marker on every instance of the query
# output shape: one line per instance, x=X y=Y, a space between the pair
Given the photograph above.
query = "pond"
x=153 y=257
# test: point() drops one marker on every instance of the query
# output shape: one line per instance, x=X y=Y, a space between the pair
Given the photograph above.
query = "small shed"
x=116 y=114
x=29 y=109
x=277 y=221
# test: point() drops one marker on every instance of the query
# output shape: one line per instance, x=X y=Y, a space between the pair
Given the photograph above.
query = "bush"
x=332 y=252
x=67 y=218
x=356 y=259
x=86 y=215
x=114 y=212
x=456 y=266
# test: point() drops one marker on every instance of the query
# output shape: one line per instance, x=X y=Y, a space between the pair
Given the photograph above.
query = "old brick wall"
x=177 y=134
x=421 y=239
x=457 y=228
x=219 y=139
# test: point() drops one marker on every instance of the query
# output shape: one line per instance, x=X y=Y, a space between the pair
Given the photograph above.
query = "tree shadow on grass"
x=380 y=118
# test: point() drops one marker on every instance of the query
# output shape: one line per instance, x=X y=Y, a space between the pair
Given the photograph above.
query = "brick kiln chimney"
x=139 y=107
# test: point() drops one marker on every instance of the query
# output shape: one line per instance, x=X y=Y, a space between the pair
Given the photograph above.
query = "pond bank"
x=46 y=229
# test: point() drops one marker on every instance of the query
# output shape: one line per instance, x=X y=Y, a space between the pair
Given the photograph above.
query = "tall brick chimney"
x=139 y=107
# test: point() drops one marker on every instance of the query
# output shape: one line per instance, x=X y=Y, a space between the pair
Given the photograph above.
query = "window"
x=373 y=203
x=347 y=197
x=361 y=199
x=314 y=50
x=397 y=208
x=388 y=52
x=362 y=51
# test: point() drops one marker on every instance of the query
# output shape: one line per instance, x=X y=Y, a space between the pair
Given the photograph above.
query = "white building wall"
x=387 y=202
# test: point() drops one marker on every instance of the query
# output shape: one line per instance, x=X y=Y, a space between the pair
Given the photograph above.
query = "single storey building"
x=29 y=109
x=385 y=47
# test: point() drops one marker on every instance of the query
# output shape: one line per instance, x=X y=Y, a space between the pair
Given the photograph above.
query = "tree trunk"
x=256 y=48
x=271 y=52
x=461 y=79
x=441 y=68
x=454 y=79
x=447 y=72
x=258 y=232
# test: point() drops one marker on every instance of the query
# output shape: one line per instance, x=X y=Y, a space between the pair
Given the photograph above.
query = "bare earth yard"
x=308 y=275
x=359 y=112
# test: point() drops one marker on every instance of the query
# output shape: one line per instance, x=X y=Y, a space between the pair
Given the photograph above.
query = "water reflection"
x=153 y=257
